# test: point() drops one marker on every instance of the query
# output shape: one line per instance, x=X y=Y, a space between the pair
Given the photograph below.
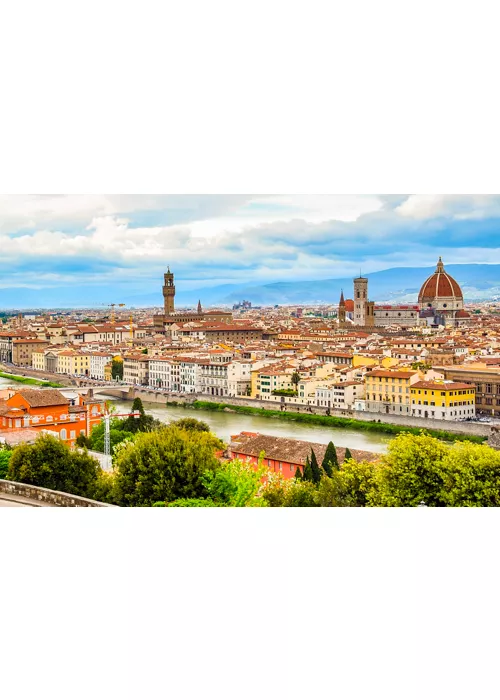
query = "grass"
x=338 y=422
x=31 y=382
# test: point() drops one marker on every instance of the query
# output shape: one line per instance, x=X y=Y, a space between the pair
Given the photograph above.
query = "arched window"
x=63 y=434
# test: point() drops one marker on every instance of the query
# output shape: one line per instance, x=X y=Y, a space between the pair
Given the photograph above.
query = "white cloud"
x=455 y=206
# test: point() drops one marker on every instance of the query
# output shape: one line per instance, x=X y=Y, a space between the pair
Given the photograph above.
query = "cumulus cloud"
x=128 y=240
x=455 y=206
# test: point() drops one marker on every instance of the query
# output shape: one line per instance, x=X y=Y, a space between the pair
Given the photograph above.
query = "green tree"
x=411 y=472
x=330 y=460
x=235 y=484
x=83 y=441
x=298 y=474
x=49 y=463
x=142 y=422
x=164 y=465
x=347 y=455
x=5 y=456
x=316 y=471
x=301 y=494
x=350 y=486
x=471 y=476
x=308 y=474
x=295 y=379
x=191 y=424
x=117 y=369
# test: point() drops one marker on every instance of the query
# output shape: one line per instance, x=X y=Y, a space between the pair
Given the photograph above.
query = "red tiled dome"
x=439 y=284
x=349 y=306
x=462 y=314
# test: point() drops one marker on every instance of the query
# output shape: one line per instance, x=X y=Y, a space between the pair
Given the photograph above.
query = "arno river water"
x=227 y=424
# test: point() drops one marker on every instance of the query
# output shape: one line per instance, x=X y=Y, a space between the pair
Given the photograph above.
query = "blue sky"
x=123 y=243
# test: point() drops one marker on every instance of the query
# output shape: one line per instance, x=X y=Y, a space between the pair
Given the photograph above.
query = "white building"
x=98 y=361
x=339 y=395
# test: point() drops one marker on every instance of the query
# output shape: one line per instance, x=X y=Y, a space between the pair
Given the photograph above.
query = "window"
x=63 y=434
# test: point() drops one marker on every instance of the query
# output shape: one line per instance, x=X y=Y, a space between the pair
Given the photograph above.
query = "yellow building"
x=361 y=360
x=388 y=391
x=443 y=400
x=38 y=360
x=73 y=362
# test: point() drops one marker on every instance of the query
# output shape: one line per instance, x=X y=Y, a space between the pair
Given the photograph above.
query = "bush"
x=50 y=464
x=166 y=465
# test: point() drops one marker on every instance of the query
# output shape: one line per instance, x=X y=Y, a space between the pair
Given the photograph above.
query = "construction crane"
x=113 y=312
x=107 y=428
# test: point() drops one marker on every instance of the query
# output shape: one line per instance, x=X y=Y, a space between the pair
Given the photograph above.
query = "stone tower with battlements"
x=169 y=293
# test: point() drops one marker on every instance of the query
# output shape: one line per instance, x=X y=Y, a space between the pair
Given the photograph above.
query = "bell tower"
x=169 y=293
x=342 y=308
x=360 y=300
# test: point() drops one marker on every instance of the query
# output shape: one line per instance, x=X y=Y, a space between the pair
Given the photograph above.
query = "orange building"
x=48 y=410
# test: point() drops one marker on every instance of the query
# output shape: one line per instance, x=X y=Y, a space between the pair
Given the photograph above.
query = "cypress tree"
x=348 y=455
x=316 y=472
x=330 y=460
x=308 y=473
x=298 y=474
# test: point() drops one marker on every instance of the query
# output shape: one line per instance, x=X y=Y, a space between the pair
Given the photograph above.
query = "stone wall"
x=54 y=498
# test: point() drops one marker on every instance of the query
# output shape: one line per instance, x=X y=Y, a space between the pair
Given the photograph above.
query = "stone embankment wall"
x=36 y=374
x=459 y=427
x=54 y=498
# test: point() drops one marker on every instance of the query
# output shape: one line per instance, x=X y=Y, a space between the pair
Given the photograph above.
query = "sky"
x=120 y=244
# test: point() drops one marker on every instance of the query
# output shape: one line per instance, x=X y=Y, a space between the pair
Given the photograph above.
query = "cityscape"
x=353 y=400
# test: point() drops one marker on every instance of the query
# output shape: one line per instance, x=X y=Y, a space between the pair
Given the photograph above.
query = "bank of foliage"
x=31 y=382
x=336 y=421
x=178 y=465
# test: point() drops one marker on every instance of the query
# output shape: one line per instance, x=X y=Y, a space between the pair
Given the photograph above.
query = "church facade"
x=440 y=303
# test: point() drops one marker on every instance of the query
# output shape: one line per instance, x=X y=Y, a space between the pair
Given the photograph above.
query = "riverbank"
x=29 y=381
x=336 y=421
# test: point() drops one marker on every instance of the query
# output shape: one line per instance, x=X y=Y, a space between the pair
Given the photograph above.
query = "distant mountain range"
x=396 y=285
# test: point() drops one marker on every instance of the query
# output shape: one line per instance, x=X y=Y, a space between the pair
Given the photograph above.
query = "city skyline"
x=123 y=243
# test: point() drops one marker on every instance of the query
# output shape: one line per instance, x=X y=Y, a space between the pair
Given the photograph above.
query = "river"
x=226 y=424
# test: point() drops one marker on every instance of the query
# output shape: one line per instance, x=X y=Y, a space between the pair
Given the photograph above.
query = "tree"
x=301 y=494
x=316 y=471
x=298 y=474
x=295 y=379
x=308 y=472
x=347 y=455
x=411 y=472
x=350 y=486
x=471 y=476
x=330 y=460
x=50 y=464
x=117 y=369
x=235 y=484
x=191 y=424
x=5 y=456
x=83 y=441
x=164 y=465
x=141 y=423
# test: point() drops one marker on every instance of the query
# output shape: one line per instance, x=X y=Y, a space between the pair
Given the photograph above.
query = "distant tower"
x=200 y=310
x=342 y=309
x=169 y=293
x=360 y=300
